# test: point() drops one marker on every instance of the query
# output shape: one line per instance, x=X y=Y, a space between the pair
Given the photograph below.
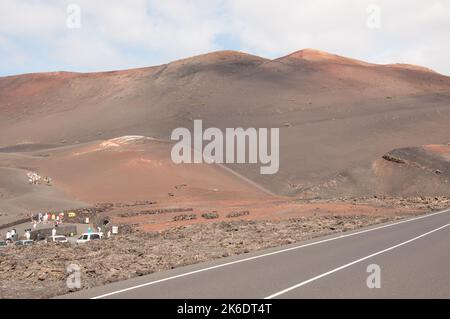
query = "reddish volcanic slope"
x=134 y=168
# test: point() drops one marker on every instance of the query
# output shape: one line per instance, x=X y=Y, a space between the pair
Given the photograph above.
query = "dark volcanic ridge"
x=404 y=172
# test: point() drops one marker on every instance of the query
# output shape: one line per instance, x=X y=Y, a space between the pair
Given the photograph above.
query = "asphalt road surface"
x=406 y=259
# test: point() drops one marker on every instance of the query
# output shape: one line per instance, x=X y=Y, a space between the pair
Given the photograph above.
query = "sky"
x=103 y=35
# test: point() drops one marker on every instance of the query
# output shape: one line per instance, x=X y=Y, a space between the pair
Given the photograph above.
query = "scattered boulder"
x=212 y=215
x=184 y=217
x=238 y=214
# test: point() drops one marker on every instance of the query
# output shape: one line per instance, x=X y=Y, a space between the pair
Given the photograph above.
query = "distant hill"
x=336 y=115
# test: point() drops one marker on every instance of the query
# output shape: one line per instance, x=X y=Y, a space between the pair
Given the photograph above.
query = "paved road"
x=413 y=256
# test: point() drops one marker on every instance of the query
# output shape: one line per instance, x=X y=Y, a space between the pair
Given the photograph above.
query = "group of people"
x=40 y=218
x=44 y=218
x=35 y=179
x=13 y=235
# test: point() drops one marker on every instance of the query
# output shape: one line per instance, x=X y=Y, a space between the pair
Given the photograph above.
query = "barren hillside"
x=337 y=116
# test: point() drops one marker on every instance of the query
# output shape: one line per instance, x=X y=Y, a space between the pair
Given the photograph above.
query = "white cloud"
x=120 y=34
x=30 y=18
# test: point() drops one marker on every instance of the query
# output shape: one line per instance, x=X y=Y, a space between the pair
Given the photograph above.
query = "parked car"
x=89 y=237
x=24 y=243
x=57 y=239
x=3 y=244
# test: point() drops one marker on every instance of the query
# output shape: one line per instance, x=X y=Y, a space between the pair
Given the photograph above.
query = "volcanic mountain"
x=337 y=116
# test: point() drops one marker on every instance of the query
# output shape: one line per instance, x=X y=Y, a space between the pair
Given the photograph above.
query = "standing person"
x=53 y=232
x=8 y=235
x=45 y=218
x=27 y=235
x=34 y=225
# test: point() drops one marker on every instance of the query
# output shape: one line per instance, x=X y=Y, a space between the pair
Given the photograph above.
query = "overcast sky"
x=50 y=35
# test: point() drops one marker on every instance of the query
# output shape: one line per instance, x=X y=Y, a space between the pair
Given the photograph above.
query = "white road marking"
x=352 y=263
x=267 y=254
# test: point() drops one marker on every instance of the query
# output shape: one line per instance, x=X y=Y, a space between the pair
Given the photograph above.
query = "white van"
x=88 y=237
x=57 y=239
